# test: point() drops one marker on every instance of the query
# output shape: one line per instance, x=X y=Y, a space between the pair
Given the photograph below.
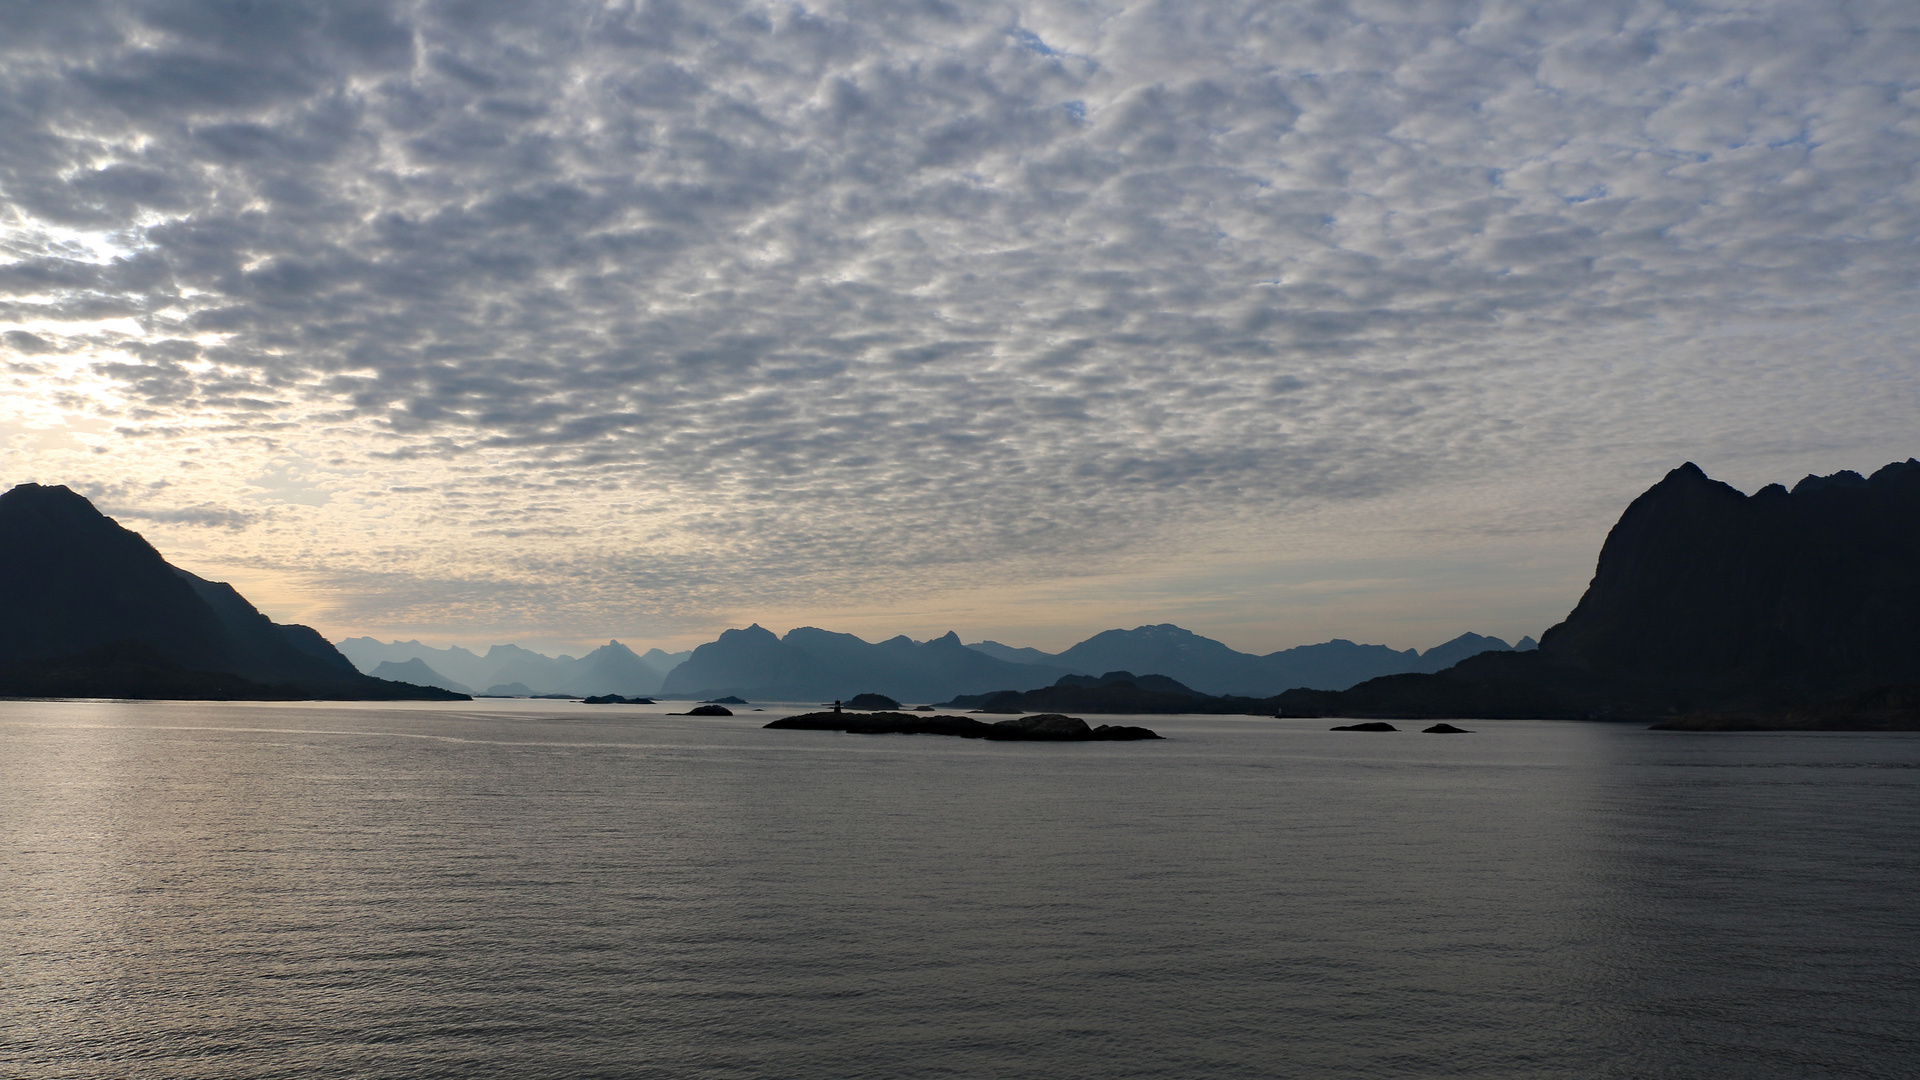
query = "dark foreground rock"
x=1366 y=727
x=615 y=699
x=1044 y=727
x=1445 y=729
x=1886 y=708
x=706 y=710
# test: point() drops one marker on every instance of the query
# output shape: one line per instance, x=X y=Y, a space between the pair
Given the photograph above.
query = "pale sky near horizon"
x=483 y=322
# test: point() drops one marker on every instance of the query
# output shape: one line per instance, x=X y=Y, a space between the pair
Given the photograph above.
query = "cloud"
x=732 y=303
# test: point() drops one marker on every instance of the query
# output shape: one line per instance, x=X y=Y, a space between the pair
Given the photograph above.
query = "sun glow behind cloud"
x=580 y=320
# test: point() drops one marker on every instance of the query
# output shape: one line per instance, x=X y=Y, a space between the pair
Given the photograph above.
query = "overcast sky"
x=488 y=321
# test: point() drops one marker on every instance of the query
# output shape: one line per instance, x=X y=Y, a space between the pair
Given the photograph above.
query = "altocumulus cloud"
x=686 y=307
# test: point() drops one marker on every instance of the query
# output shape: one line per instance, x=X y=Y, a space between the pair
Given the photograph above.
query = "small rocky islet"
x=1437 y=729
x=1041 y=727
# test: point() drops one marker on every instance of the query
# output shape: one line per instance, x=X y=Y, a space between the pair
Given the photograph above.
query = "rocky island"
x=1042 y=727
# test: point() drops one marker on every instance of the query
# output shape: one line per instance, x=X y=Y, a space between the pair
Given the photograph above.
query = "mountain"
x=1212 y=667
x=1166 y=649
x=1015 y=655
x=612 y=668
x=418 y=673
x=1708 y=592
x=1704 y=598
x=73 y=581
x=1445 y=655
x=810 y=664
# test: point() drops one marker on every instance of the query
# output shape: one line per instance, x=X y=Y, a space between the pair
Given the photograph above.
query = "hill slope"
x=1705 y=598
x=73 y=581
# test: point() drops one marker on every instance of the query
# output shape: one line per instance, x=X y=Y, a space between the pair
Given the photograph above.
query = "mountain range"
x=1213 y=668
x=82 y=596
x=1705 y=598
x=610 y=669
x=813 y=664
x=810 y=664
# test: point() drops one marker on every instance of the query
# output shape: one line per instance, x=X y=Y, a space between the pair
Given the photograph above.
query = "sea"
x=534 y=889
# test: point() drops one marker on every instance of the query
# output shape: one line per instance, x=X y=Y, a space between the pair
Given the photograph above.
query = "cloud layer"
x=638 y=314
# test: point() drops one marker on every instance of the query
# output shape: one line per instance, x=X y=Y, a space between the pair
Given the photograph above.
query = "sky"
x=483 y=321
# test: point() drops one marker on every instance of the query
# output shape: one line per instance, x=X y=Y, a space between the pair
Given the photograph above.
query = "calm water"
x=528 y=890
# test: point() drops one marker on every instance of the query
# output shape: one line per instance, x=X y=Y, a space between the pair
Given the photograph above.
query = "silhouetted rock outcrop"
x=708 y=710
x=1114 y=692
x=871 y=703
x=72 y=580
x=1042 y=728
x=1706 y=600
x=615 y=699
x=1376 y=726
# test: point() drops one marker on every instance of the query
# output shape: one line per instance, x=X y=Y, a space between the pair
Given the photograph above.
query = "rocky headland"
x=1709 y=609
x=89 y=609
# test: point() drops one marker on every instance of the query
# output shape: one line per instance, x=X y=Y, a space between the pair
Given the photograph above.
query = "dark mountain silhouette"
x=73 y=581
x=1444 y=656
x=1015 y=655
x=810 y=664
x=610 y=669
x=1707 y=599
x=1212 y=667
x=1166 y=649
x=419 y=674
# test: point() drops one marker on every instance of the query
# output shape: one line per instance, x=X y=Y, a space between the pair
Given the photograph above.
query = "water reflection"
x=496 y=891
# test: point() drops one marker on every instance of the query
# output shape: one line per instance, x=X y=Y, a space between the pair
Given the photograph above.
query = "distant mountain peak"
x=1845 y=478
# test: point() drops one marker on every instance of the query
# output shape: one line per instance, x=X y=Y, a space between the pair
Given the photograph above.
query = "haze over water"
x=554 y=890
